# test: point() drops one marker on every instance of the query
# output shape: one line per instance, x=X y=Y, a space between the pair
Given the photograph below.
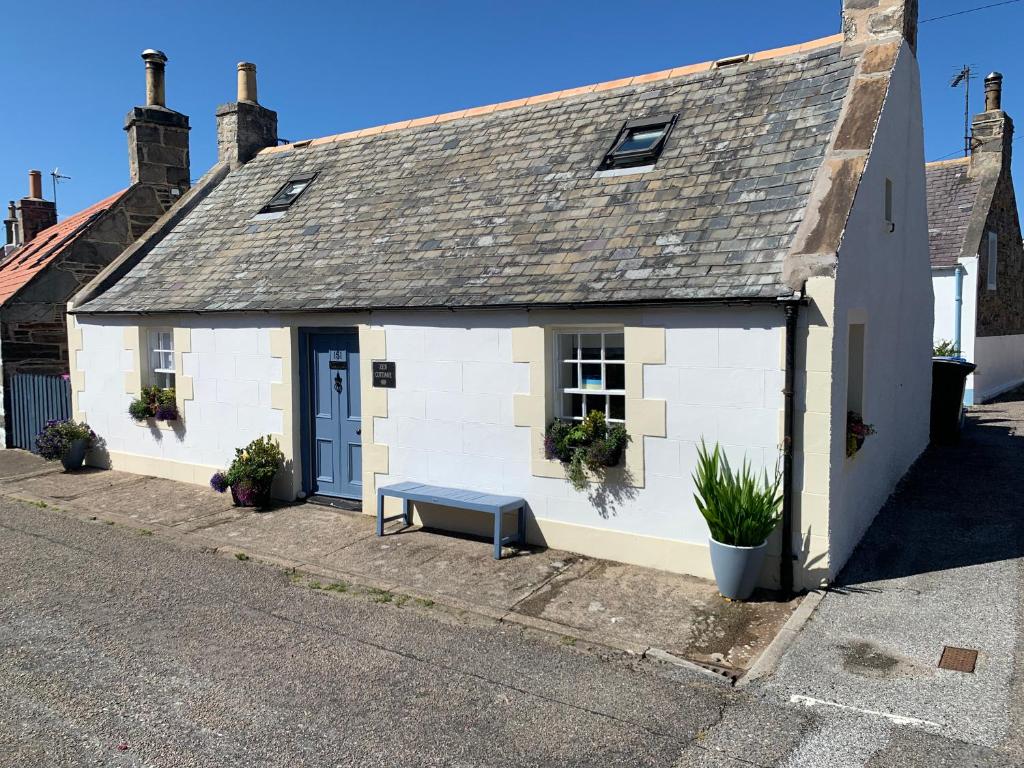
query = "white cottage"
x=976 y=253
x=733 y=251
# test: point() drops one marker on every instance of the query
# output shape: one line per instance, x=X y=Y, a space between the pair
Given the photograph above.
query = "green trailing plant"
x=591 y=444
x=740 y=508
x=857 y=431
x=945 y=348
x=154 y=403
x=56 y=438
x=251 y=473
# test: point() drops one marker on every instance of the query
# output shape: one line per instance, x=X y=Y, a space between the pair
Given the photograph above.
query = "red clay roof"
x=32 y=257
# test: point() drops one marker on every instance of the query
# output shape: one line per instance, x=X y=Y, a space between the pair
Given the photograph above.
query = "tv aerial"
x=57 y=177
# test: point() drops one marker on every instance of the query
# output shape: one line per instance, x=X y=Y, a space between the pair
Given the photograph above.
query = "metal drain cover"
x=958 y=659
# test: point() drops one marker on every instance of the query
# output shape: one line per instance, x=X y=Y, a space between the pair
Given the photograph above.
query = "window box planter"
x=154 y=403
x=856 y=433
x=585 y=445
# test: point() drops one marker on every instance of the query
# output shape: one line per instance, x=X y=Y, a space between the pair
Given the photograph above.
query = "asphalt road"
x=110 y=639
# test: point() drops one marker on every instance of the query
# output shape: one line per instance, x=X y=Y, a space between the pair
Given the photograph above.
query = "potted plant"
x=741 y=511
x=251 y=474
x=65 y=440
x=154 y=403
x=590 y=444
x=856 y=432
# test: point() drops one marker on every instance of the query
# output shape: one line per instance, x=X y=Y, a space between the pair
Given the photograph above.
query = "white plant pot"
x=737 y=569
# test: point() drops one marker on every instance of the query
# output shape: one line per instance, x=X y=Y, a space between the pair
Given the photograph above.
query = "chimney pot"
x=35 y=185
x=247 y=82
x=994 y=92
x=155 y=61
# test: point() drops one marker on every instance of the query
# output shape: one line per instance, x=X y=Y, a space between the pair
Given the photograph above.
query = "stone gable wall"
x=1001 y=312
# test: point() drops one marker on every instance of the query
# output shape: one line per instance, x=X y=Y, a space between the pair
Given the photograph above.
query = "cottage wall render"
x=452 y=420
x=233 y=372
x=884 y=281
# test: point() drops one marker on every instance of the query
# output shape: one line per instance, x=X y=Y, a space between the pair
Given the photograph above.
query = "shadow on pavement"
x=959 y=505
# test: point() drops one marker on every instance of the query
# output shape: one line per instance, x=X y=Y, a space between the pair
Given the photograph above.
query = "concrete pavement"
x=943 y=565
x=612 y=604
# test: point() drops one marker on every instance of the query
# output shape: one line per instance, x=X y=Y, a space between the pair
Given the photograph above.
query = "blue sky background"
x=71 y=70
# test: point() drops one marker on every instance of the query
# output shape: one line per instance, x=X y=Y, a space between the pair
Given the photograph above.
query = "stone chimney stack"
x=34 y=214
x=992 y=130
x=244 y=127
x=866 y=21
x=11 y=224
x=158 y=136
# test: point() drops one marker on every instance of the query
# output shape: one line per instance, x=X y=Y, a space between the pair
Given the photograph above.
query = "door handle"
x=359 y=431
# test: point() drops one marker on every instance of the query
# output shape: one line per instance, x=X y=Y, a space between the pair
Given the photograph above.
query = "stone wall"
x=33 y=331
x=1001 y=312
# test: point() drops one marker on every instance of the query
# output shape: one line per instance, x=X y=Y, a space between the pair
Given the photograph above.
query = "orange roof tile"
x=31 y=258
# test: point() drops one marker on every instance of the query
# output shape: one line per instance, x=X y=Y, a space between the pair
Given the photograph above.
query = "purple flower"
x=167 y=412
x=219 y=482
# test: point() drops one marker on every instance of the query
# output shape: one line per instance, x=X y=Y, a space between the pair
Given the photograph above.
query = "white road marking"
x=809 y=701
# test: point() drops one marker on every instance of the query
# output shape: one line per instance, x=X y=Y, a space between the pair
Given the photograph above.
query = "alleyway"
x=119 y=648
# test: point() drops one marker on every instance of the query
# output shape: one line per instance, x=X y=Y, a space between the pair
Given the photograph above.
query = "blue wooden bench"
x=459 y=498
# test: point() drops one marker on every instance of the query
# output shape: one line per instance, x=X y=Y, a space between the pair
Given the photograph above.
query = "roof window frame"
x=614 y=159
x=281 y=207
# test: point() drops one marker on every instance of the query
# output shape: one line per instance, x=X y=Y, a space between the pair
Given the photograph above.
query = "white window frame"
x=559 y=367
x=992 y=272
x=159 y=374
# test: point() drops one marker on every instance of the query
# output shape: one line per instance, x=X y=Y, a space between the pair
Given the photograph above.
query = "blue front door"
x=337 y=462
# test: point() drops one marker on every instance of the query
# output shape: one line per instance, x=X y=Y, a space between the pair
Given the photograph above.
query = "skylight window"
x=640 y=142
x=288 y=194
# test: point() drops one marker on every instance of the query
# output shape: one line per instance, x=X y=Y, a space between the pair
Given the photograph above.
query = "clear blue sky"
x=71 y=70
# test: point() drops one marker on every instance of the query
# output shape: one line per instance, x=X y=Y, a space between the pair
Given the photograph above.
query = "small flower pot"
x=251 y=495
x=75 y=456
x=737 y=569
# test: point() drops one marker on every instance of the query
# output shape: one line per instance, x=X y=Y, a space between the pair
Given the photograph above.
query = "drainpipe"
x=792 y=309
x=959 y=304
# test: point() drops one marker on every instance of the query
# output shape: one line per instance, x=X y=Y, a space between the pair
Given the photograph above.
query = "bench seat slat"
x=495 y=504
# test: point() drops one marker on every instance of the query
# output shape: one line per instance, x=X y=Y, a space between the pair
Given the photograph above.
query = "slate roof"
x=502 y=207
x=951 y=197
x=31 y=258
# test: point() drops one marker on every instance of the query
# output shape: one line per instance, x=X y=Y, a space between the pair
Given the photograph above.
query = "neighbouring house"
x=45 y=263
x=977 y=255
x=678 y=250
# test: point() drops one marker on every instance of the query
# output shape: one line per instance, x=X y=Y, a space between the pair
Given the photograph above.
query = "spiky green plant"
x=740 y=508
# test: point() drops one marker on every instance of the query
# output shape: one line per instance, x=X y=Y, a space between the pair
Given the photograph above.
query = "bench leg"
x=407 y=511
x=521 y=520
x=380 y=514
x=497 y=535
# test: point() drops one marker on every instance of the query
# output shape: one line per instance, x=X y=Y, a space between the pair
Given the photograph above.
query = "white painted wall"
x=887 y=277
x=1000 y=362
x=231 y=369
x=450 y=418
x=944 y=291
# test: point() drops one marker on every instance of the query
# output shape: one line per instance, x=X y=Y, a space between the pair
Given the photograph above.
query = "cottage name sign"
x=384 y=374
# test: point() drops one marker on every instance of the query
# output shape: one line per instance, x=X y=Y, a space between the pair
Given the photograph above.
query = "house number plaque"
x=384 y=374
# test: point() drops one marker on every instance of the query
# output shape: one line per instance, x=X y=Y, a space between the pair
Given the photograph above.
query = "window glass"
x=161 y=356
x=991 y=278
x=591 y=374
x=287 y=195
x=641 y=138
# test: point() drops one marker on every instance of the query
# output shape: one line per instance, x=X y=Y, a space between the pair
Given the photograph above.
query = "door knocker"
x=337 y=382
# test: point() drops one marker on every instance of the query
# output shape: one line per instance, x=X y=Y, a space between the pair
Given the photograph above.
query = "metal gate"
x=35 y=400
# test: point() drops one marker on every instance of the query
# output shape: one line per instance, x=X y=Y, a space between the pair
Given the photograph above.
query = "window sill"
x=167 y=426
